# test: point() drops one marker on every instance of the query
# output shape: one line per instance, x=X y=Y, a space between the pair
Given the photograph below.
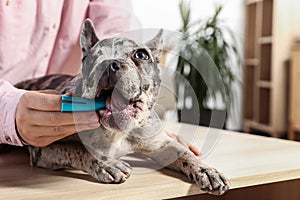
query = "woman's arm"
x=9 y=98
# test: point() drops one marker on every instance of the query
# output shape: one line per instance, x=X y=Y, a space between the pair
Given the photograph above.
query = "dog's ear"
x=156 y=44
x=88 y=37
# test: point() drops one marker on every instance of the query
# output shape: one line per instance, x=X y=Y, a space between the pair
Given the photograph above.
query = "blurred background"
x=255 y=47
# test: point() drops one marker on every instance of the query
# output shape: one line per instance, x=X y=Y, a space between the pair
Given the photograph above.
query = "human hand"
x=39 y=120
x=184 y=143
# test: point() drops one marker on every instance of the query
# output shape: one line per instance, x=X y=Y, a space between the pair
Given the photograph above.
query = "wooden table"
x=257 y=166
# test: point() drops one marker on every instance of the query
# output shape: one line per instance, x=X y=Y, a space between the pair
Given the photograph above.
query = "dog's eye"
x=141 y=54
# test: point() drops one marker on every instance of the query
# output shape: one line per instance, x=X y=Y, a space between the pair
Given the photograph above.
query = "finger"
x=46 y=140
x=171 y=135
x=69 y=94
x=182 y=141
x=48 y=91
x=61 y=131
x=42 y=136
x=194 y=150
x=178 y=138
x=39 y=101
x=42 y=118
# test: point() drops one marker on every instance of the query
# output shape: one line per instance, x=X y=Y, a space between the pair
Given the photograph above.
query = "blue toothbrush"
x=77 y=104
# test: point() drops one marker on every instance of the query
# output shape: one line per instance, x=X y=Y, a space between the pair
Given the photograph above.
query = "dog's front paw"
x=114 y=171
x=210 y=180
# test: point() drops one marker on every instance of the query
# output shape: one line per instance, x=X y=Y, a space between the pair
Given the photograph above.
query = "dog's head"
x=123 y=70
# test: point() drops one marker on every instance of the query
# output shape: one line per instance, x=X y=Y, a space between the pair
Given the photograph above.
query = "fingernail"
x=94 y=125
x=93 y=118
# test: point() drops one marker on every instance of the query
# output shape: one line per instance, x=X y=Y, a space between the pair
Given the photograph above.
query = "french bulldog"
x=127 y=73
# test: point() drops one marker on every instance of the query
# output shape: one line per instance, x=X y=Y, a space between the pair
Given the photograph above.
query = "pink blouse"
x=39 y=37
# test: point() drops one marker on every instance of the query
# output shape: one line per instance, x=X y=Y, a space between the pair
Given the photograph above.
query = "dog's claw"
x=114 y=171
x=211 y=181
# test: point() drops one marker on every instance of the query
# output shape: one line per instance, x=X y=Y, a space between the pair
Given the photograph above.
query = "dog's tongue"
x=116 y=102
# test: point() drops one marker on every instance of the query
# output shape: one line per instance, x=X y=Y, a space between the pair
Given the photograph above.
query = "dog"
x=127 y=72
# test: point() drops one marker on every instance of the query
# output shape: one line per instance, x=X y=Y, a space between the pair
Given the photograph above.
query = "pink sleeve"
x=110 y=16
x=9 y=98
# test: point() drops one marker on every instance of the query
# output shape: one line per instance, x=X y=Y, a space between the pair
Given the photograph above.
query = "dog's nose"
x=115 y=66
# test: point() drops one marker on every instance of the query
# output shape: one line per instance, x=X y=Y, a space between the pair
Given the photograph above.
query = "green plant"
x=219 y=42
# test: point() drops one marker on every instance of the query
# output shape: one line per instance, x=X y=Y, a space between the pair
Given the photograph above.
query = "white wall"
x=165 y=14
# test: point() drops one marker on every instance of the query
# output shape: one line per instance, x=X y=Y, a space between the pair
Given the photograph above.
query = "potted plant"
x=204 y=61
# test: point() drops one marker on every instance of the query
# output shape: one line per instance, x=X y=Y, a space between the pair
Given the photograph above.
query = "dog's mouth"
x=116 y=102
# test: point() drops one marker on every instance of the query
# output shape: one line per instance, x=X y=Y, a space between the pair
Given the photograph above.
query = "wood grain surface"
x=245 y=159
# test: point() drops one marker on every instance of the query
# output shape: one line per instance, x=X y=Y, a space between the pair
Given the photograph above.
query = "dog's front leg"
x=174 y=156
x=66 y=155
